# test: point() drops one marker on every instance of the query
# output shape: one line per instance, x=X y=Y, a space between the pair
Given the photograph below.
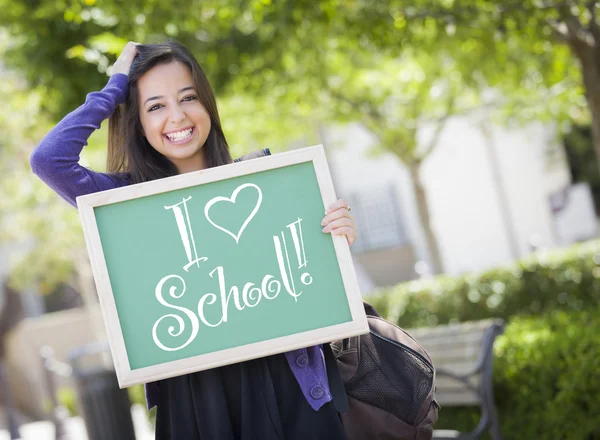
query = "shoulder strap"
x=336 y=384
x=254 y=154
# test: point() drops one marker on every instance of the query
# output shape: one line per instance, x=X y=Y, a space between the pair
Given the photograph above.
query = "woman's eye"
x=154 y=107
x=190 y=98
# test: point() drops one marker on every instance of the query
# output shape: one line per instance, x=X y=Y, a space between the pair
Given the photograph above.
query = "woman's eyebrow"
x=154 y=98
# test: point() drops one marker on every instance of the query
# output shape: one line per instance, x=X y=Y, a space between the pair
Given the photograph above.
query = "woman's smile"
x=179 y=137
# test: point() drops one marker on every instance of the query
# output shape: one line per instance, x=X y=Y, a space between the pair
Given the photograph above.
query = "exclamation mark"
x=298 y=240
x=283 y=258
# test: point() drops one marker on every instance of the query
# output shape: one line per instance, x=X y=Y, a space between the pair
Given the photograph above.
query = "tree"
x=65 y=48
x=290 y=54
x=393 y=95
x=542 y=57
x=332 y=61
x=395 y=99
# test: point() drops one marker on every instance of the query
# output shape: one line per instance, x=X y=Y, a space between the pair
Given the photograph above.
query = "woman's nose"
x=177 y=114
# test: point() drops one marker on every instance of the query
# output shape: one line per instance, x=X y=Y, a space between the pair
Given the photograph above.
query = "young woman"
x=164 y=121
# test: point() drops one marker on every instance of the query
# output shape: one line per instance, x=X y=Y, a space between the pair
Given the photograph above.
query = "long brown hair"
x=129 y=152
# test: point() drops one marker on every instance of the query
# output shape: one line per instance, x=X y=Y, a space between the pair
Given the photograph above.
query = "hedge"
x=546 y=382
x=558 y=280
x=546 y=379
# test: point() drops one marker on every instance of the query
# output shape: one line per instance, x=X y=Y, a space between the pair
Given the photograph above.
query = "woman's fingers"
x=349 y=232
x=341 y=203
x=343 y=221
x=339 y=221
x=336 y=210
x=123 y=63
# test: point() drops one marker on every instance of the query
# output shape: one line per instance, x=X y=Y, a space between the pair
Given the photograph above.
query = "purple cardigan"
x=56 y=162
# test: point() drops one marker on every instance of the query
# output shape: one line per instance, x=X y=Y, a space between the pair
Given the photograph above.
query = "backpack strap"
x=254 y=154
x=370 y=310
x=336 y=384
x=353 y=343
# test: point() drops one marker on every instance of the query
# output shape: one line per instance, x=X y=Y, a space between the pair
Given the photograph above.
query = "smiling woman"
x=164 y=121
x=169 y=123
x=174 y=122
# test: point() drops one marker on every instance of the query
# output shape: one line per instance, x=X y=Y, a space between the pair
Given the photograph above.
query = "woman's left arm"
x=339 y=221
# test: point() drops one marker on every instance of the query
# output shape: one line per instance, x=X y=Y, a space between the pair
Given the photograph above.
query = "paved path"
x=76 y=428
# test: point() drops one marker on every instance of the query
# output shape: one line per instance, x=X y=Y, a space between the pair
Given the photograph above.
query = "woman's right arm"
x=56 y=158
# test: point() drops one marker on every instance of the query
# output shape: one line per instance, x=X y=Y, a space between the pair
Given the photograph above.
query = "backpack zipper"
x=406 y=348
x=407 y=334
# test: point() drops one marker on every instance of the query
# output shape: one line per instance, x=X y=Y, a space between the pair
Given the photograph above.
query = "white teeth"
x=180 y=135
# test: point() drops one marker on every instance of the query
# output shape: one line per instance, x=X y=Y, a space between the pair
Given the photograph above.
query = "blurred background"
x=464 y=133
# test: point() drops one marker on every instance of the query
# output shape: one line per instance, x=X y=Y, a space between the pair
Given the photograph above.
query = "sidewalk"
x=76 y=429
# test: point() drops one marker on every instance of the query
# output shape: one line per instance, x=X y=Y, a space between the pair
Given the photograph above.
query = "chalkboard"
x=220 y=266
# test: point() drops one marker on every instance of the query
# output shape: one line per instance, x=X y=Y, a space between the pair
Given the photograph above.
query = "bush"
x=546 y=380
x=138 y=396
x=562 y=280
x=66 y=397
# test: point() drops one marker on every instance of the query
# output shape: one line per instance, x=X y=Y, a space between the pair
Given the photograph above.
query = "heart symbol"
x=237 y=236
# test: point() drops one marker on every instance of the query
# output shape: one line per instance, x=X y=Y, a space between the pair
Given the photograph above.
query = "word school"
x=251 y=294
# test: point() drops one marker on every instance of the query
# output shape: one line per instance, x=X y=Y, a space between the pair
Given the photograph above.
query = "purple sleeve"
x=56 y=158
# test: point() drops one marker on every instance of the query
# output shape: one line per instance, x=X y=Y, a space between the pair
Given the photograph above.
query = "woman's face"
x=174 y=121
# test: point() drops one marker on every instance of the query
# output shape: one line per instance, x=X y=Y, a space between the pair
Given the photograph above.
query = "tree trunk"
x=500 y=190
x=590 y=70
x=435 y=260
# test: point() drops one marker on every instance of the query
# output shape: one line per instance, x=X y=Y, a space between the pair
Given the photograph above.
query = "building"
x=492 y=199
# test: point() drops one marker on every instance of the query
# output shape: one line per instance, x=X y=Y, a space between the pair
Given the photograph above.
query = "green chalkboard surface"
x=219 y=266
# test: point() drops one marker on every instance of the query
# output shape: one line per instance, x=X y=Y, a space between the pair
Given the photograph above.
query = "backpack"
x=390 y=383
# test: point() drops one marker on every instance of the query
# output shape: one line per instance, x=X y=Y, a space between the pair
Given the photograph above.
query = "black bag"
x=390 y=384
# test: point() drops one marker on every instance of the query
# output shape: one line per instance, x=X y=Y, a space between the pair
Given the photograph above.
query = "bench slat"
x=457 y=399
x=454 y=328
x=469 y=338
x=464 y=353
x=457 y=367
x=447 y=384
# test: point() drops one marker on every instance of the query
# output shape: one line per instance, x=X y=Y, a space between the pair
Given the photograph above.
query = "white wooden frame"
x=126 y=376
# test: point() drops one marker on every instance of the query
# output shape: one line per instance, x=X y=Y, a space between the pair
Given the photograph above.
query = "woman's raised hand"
x=339 y=221
x=123 y=63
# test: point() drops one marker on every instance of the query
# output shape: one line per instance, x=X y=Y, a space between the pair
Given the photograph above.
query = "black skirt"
x=254 y=400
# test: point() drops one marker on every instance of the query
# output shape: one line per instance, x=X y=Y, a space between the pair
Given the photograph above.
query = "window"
x=378 y=219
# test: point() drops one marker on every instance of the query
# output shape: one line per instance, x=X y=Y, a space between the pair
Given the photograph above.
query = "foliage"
x=545 y=363
x=284 y=68
x=22 y=123
x=565 y=279
x=234 y=37
x=511 y=45
x=519 y=48
x=45 y=229
x=137 y=396
x=67 y=397
x=546 y=380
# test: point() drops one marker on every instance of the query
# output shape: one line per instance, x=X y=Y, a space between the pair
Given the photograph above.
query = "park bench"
x=462 y=355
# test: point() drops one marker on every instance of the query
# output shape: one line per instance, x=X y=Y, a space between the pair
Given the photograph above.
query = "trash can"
x=105 y=408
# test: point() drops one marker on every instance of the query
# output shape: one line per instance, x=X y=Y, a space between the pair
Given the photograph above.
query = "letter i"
x=186 y=233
